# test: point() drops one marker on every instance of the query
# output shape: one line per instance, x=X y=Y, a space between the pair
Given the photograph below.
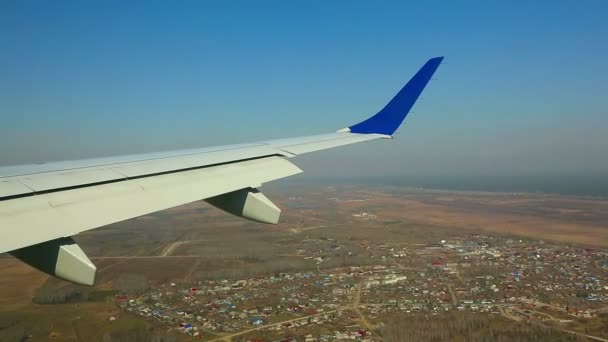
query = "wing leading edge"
x=43 y=205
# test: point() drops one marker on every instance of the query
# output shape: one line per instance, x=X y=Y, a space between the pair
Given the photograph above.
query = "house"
x=338 y=292
x=256 y=320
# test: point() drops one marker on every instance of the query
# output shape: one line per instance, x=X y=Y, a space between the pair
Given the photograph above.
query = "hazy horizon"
x=589 y=185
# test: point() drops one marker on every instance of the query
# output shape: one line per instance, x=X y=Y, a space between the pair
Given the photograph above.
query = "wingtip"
x=437 y=60
x=388 y=120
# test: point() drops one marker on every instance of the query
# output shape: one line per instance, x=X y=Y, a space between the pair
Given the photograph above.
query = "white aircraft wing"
x=43 y=205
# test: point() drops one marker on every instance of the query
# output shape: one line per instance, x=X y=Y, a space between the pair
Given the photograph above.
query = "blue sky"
x=524 y=86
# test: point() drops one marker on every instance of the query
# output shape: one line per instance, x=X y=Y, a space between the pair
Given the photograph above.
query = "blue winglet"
x=391 y=116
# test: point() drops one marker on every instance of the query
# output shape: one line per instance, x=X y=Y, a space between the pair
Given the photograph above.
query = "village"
x=516 y=279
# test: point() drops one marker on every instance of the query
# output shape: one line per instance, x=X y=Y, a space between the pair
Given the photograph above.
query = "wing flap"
x=192 y=161
x=57 y=180
x=11 y=187
x=30 y=184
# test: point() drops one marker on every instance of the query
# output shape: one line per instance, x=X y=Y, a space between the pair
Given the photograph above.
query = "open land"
x=347 y=262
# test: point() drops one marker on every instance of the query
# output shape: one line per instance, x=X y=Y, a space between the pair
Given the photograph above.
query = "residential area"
x=520 y=280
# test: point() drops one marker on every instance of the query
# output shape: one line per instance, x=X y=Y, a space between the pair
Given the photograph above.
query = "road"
x=357 y=303
x=505 y=311
x=229 y=337
x=585 y=335
x=191 y=271
x=354 y=306
x=452 y=294
x=605 y=308
x=401 y=267
x=144 y=257
x=507 y=314
x=299 y=230
x=167 y=251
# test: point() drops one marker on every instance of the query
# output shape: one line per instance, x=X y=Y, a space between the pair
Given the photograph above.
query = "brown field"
x=555 y=218
x=18 y=282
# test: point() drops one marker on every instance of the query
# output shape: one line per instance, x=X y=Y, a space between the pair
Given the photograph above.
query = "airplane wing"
x=43 y=205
